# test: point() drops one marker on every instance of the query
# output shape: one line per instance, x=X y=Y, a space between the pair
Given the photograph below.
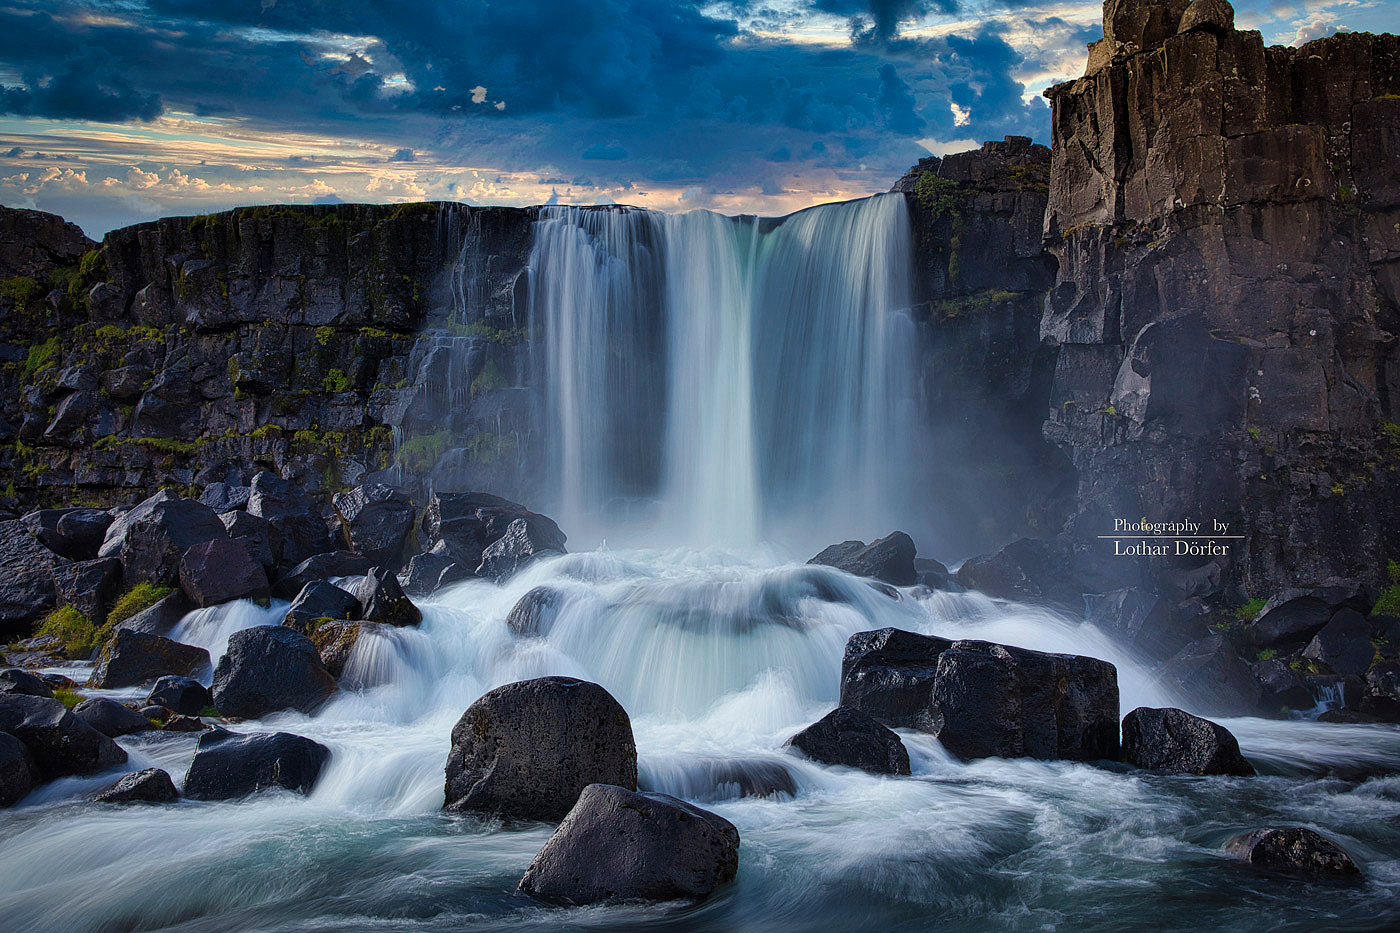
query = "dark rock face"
x=1281 y=687
x=321 y=567
x=150 y=786
x=527 y=750
x=134 y=658
x=525 y=541
x=33 y=242
x=382 y=600
x=534 y=613
x=228 y=765
x=1174 y=741
x=23 y=683
x=619 y=845
x=301 y=532
x=59 y=742
x=26 y=579
x=221 y=571
x=221 y=497
x=72 y=533
x=159 y=618
x=111 y=718
x=889 y=674
x=468 y=522
x=270 y=668
x=375 y=520
x=1294 y=850
x=890 y=559
x=151 y=538
x=255 y=534
x=90 y=586
x=1029 y=569
x=998 y=701
x=1213 y=676
x=18 y=773
x=428 y=572
x=181 y=695
x=1344 y=644
x=848 y=737
x=1138 y=619
x=320 y=600
x=1293 y=616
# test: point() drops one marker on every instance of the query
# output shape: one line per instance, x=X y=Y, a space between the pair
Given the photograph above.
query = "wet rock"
x=731 y=778
x=619 y=845
x=255 y=534
x=160 y=617
x=998 y=701
x=18 y=772
x=1216 y=679
x=1281 y=687
x=933 y=574
x=90 y=586
x=527 y=750
x=186 y=724
x=1138 y=619
x=1382 y=698
x=534 y=613
x=320 y=600
x=221 y=497
x=23 y=683
x=150 y=786
x=382 y=600
x=221 y=571
x=1028 y=569
x=270 y=668
x=59 y=742
x=301 y=530
x=326 y=566
x=151 y=538
x=158 y=714
x=228 y=765
x=1343 y=644
x=468 y=522
x=525 y=541
x=1175 y=742
x=888 y=674
x=76 y=534
x=110 y=717
x=377 y=521
x=890 y=559
x=1293 y=616
x=134 y=658
x=848 y=737
x=335 y=641
x=182 y=695
x=1293 y=850
x=428 y=572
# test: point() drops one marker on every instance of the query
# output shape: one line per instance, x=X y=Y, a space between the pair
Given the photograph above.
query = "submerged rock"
x=534 y=613
x=1174 y=741
x=18 y=772
x=183 y=695
x=59 y=742
x=335 y=642
x=110 y=717
x=135 y=658
x=619 y=845
x=848 y=737
x=1294 y=850
x=890 y=559
x=150 y=786
x=527 y=750
x=269 y=668
x=229 y=765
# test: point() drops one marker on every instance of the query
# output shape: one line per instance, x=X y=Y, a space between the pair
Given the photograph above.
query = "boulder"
x=1343 y=645
x=890 y=559
x=301 y=530
x=18 y=773
x=1293 y=616
x=221 y=571
x=527 y=750
x=134 y=658
x=619 y=845
x=150 y=786
x=525 y=541
x=326 y=566
x=1175 y=742
x=150 y=538
x=889 y=674
x=90 y=586
x=159 y=617
x=848 y=737
x=110 y=717
x=335 y=641
x=377 y=521
x=1215 y=16
x=428 y=572
x=255 y=534
x=1382 y=698
x=23 y=683
x=270 y=668
x=1281 y=687
x=182 y=695
x=223 y=498
x=1215 y=678
x=186 y=724
x=320 y=600
x=933 y=574
x=76 y=534
x=382 y=600
x=1027 y=569
x=466 y=523
x=59 y=742
x=1293 y=850
x=228 y=765
x=534 y=613
x=998 y=701
x=26 y=579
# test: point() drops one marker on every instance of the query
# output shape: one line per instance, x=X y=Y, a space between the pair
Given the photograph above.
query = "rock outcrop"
x=848 y=737
x=1175 y=742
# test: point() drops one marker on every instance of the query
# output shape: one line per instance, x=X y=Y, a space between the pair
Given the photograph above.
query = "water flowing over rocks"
x=619 y=845
x=230 y=765
x=527 y=750
x=269 y=668
x=1174 y=741
x=848 y=737
x=382 y=600
x=320 y=599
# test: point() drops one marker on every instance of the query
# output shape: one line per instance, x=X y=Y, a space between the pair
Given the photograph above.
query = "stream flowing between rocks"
x=718 y=659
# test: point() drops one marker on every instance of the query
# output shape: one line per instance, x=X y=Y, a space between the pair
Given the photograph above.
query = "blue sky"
x=120 y=111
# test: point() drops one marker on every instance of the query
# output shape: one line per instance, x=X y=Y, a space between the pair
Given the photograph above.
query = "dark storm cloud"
x=880 y=19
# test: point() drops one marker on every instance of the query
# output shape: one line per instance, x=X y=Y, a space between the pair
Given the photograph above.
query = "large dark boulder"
x=228 y=765
x=221 y=571
x=301 y=531
x=1382 y=698
x=888 y=674
x=26 y=579
x=269 y=668
x=1175 y=742
x=525 y=541
x=110 y=717
x=1294 y=851
x=377 y=521
x=183 y=695
x=527 y=750
x=18 y=772
x=161 y=616
x=1293 y=616
x=150 y=538
x=468 y=522
x=1344 y=644
x=134 y=658
x=428 y=572
x=23 y=683
x=890 y=559
x=848 y=737
x=382 y=600
x=59 y=742
x=998 y=701
x=257 y=536
x=320 y=599
x=223 y=498
x=150 y=786
x=1213 y=676
x=619 y=845
x=90 y=586
x=534 y=613
x=321 y=567
x=76 y=534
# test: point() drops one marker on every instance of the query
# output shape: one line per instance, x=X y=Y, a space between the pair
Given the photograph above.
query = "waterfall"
x=729 y=380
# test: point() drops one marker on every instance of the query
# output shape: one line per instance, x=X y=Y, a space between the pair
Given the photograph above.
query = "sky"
x=120 y=111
